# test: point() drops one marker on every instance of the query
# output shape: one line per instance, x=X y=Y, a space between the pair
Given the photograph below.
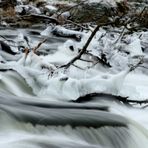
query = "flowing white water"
x=20 y=132
x=35 y=107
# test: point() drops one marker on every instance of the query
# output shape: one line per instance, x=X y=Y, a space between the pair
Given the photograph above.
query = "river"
x=30 y=121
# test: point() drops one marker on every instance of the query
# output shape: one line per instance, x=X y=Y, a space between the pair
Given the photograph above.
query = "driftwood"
x=100 y=96
x=109 y=97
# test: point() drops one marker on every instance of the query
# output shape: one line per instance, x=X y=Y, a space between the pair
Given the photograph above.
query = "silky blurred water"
x=29 y=121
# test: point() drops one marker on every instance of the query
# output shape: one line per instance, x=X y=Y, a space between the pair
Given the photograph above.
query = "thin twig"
x=121 y=35
x=133 y=67
x=7 y=39
x=39 y=44
x=89 y=61
x=143 y=66
x=144 y=107
x=77 y=66
x=135 y=18
x=93 y=64
x=76 y=24
x=26 y=52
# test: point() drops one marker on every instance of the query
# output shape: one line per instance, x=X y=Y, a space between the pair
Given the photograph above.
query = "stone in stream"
x=94 y=12
x=5 y=47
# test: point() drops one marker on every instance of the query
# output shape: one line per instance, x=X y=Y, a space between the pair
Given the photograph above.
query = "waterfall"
x=19 y=135
x=66 y=125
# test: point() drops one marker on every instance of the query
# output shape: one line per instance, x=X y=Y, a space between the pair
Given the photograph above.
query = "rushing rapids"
x=41 y=122
x=46 y=105
x=53 y=124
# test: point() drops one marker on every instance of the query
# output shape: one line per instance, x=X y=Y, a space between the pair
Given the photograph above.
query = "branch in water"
x=86 y=45
x=125 y=100
x=39 y=44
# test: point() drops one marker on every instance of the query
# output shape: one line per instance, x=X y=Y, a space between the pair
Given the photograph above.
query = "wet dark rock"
x=5 y=47
x=89 y=12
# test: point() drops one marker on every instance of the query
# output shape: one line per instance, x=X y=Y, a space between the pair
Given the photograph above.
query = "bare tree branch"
x=39 y=44
x=125 y=100
x=86 y=45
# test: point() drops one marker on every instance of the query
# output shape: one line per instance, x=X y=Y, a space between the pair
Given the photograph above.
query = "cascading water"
x=56 y=127
x=38 y=110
